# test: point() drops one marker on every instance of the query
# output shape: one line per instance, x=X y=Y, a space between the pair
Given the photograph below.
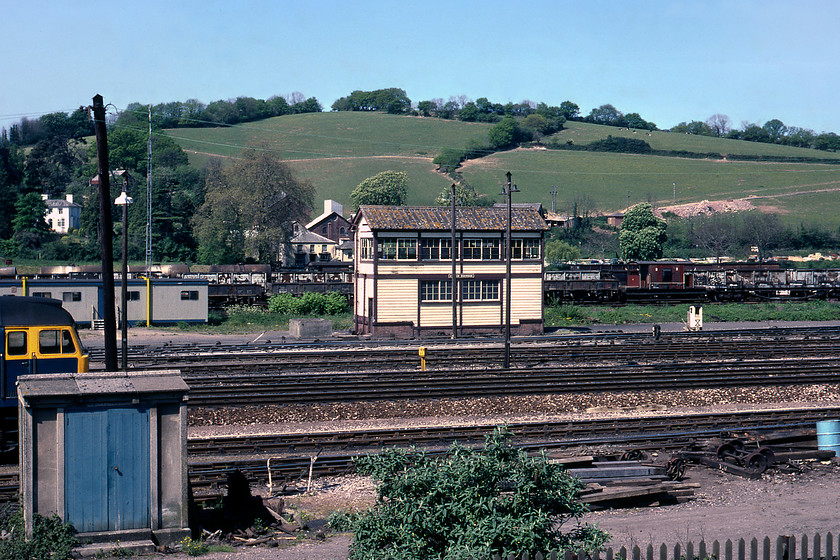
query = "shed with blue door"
x=106 y=452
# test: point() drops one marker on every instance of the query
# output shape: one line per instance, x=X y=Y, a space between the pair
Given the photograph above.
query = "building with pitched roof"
x=62 y=215
x=403 y=283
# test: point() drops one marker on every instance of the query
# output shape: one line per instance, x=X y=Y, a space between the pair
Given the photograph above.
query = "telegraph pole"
x=106 y=228
x=454 y=268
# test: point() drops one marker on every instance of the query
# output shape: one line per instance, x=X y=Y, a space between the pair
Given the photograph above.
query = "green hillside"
x=336 y=151
x=792 y=189
x=584 y=133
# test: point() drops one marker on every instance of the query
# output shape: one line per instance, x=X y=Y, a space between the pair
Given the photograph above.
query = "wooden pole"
x=106 y=241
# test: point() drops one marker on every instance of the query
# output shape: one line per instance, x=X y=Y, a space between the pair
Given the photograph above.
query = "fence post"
x=716 y=550
x=817 y=547
x=622 y=553
x=649 y=553
x=637 y=554
x=742 y=549
x=754 y=549
x=829 y=546
x=803 y=551
x=677 y=551
x=663 y=552
x=783 y=548
x=689 y=551
x=610 y=554
x=701 y=550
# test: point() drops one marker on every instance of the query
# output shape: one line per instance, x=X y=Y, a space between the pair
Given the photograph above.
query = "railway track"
x=380 y=354
x=210 y=460
x=232 y=388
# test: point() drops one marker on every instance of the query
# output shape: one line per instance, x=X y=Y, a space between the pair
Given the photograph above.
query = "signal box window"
x=16 y=343
x=71 y=296
x=48 y=342
x=189 y=294
x=133 y=295
x=42 y=294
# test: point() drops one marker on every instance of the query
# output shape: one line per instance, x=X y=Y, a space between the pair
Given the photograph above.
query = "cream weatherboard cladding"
x=403 y=270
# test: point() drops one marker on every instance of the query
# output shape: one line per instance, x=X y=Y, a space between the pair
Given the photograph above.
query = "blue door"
x=106 y=473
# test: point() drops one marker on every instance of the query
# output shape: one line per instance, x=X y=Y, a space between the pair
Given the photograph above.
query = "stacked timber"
x=622 y=483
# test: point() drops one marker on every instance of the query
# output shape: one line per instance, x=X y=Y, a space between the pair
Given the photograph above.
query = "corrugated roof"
x=438 y=218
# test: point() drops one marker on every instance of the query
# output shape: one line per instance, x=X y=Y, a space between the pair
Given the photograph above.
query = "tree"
x=606 y=114
x=465 y=195
x=715 y=233
x=827 y=141
x=557 y=251
x=694 y=127
x=470 y=504
x=776 y=130
x=762 y=231
x=569 y=110
x=249 y=208
x=642 y=235
x=503 y=135
x=718 y=124
x=388 y=188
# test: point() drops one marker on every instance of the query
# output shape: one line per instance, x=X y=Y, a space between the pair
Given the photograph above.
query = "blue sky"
x=670 y=61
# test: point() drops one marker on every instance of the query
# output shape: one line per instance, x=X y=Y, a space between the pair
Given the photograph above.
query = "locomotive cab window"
x=67 y=344
x=49 y=341
x=16 y=343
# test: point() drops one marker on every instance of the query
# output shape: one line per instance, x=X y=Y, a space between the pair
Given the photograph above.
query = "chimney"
x=69 y=198
x=333 y=206
x=45 y=197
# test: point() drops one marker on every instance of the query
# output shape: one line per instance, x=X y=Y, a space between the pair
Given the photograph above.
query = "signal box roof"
x=26 y=311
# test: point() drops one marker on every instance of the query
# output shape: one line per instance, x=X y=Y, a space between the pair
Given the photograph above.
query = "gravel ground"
x=724 y=506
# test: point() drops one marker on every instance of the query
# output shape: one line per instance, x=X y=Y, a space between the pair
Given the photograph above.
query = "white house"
x=62 y=215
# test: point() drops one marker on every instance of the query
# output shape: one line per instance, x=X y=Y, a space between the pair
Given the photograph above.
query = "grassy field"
x=609 y=178
x=330 y=135
x=336 y=151
x=584 y=133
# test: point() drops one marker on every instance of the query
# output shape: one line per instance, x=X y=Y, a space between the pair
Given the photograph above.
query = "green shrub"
x=51 y=537
x=310 y=303
x=469 y=504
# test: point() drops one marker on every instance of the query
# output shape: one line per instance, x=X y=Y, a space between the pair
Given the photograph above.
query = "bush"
x=51 y=537
x=309 y=303
x=469 y=504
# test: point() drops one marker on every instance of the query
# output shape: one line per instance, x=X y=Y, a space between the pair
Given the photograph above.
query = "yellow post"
x=24 y=286
x=148 y=301
x=422 y=352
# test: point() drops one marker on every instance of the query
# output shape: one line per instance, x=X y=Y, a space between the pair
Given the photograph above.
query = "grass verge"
x=575 y=315
x=246 y=319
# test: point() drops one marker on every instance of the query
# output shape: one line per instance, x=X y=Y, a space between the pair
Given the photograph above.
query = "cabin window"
x=436 y=249
x=525 y=249
x=42 y=294
x=478 y=290
x=189 y=294
x=398 y=248
x=366 y=249
x=48 y=341
x=435 y=290
x=16 y=343
x=133 y=295
x=71 y=296
x=481 y=249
